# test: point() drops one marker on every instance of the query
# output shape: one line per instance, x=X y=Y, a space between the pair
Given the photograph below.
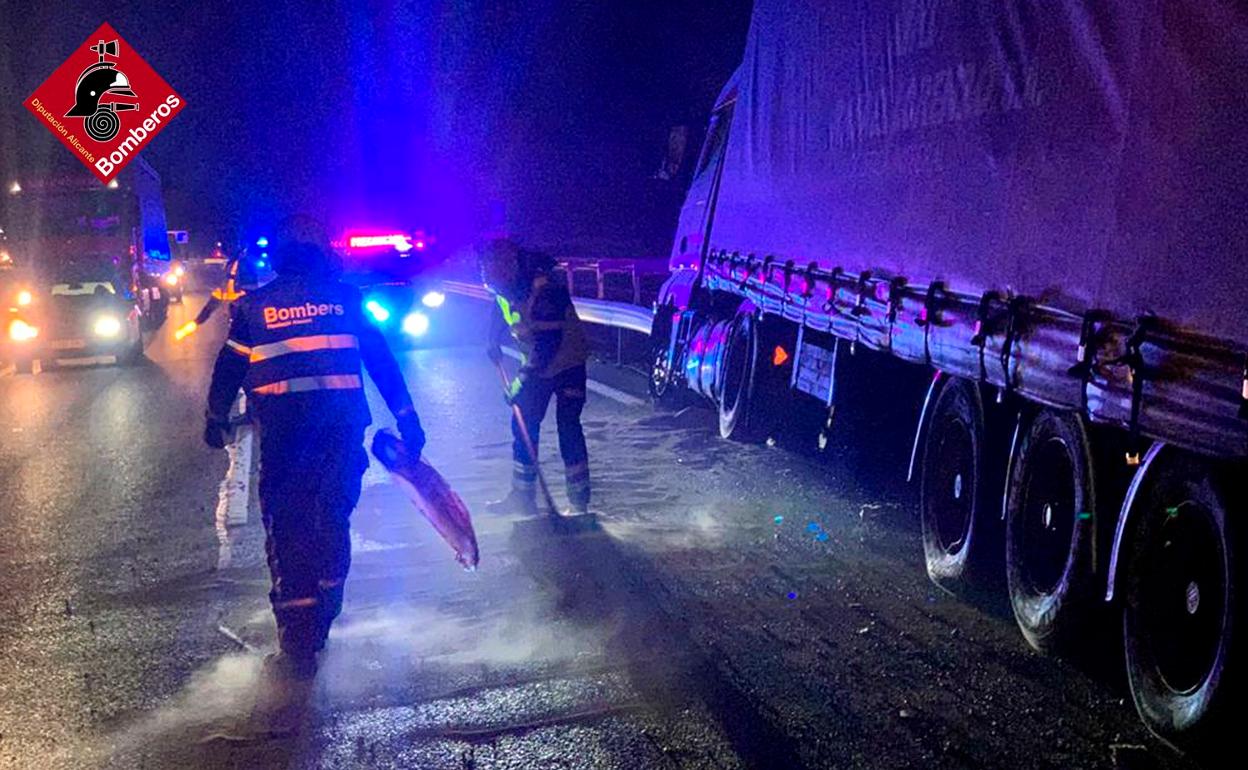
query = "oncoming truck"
x=1045 y=206
x=66 y=215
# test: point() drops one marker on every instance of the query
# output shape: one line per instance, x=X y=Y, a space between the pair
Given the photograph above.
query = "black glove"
x=412 y=434
x=216 y=433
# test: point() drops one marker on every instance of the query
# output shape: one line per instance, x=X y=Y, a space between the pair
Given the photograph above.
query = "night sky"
x=405 y=114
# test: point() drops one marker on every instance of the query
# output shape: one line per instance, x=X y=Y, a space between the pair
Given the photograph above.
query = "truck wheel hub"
x=1193 y=597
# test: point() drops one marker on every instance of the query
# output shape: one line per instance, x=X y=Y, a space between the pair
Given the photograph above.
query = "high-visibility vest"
x=573 y=347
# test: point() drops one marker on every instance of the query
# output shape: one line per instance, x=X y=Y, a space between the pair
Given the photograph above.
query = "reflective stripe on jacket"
x=298 y=346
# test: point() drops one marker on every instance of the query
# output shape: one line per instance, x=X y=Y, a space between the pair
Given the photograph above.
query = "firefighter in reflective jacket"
x=226 y=295
x=537 y=309
x=296 y=346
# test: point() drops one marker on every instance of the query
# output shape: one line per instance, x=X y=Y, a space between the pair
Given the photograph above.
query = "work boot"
x=285 y=666
x=522 y=498
x=517 y=501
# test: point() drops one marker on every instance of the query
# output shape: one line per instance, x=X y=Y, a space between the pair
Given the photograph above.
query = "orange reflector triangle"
x=779 y=356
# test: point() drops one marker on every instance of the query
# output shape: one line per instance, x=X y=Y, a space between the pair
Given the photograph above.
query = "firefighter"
x=297 y=347
x=537 y=309
x=229 y=293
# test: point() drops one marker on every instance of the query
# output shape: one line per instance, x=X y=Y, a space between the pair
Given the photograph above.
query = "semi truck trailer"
x=1044 y=206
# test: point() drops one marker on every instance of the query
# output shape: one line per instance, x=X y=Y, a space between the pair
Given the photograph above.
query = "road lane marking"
x=234 y=494
x=233 y=637
x=595 y=386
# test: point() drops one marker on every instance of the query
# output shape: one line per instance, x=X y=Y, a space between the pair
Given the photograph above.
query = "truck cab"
x=66 y=215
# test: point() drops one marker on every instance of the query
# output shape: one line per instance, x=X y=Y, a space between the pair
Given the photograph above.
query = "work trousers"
x=309 y=484
x=533 y=398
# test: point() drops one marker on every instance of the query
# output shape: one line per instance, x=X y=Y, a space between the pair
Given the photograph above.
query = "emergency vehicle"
x=393 y=271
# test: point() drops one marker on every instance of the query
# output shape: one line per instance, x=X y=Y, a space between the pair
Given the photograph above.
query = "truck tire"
x=1050 y=523
x=661 y=384
x=160 y=311
x=951 y=487
x=155 y=311
x=738 y=418
x=1184 y=648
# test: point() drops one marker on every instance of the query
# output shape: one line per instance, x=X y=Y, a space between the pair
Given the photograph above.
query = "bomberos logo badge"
x=105 y=103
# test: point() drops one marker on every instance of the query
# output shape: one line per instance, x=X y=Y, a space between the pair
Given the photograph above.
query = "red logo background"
x=55 y=97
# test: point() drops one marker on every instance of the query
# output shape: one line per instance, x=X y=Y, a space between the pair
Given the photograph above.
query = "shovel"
x=527 y=439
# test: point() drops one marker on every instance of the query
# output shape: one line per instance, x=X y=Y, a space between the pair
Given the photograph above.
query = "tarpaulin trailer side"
x=1085 y=157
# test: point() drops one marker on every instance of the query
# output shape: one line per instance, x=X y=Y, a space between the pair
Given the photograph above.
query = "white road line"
x=603 y=389
x=234 y=494
x=236 y=639
x=595 y=386
x=240 y=467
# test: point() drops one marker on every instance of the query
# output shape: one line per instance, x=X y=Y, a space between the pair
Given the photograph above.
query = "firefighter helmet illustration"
x=98 y=81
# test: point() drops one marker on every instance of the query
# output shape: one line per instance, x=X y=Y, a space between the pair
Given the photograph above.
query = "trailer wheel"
x=952 y=483
x=661 y=383
x=1050 y=531
x=737 y=419
x=1184 y=653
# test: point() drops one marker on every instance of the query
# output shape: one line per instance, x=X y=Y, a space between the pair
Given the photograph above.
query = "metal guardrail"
x=465 y=289
x=615 y=314
x=618 y=315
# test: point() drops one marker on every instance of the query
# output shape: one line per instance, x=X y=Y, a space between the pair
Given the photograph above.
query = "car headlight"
x=378 y=311
x=416 y=324
x=107 y=326
x=433 y=299
x=179 y=271
x=24 y=298
x=20 y=331
x=171 y=279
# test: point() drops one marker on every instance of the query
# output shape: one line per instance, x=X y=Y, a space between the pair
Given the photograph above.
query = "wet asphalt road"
x=730 y=606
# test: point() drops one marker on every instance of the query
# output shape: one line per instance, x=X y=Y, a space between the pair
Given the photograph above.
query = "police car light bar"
x=397 y=240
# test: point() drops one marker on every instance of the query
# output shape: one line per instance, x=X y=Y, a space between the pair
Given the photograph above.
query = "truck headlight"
x=107 y=326
x=24 y=298
x=171 y=279
x=416 y=324
x=433 y=299
x=20 y=331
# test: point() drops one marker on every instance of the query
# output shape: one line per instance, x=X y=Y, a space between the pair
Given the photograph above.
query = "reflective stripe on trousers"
x=307 y=601
x=523 y=477
x=304 y=384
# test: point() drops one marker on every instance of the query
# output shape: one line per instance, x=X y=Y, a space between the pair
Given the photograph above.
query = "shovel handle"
x=526 y=438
